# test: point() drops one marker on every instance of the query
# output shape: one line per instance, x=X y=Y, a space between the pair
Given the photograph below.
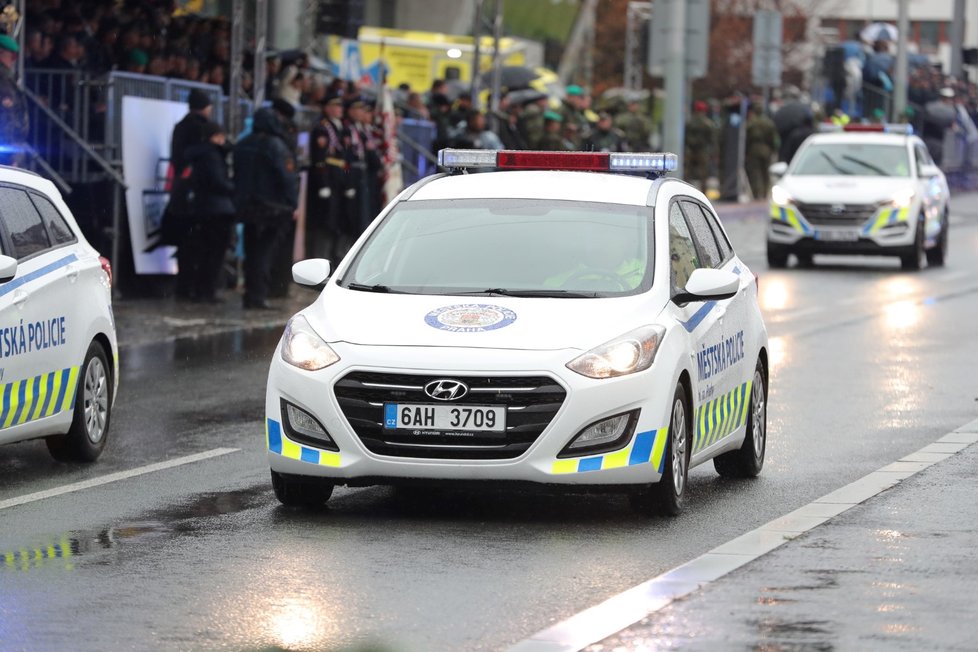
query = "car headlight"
x=632 y=352
x=302 y=347
x=780 y=196
x=903 y=198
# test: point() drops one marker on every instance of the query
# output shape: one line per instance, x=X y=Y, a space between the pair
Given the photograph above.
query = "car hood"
x=843 y=189
x=341 y=315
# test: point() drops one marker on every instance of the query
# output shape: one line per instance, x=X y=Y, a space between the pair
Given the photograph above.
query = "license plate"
x=481 y=418
x=837 y=236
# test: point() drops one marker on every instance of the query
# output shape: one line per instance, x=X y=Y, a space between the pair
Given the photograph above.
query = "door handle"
x=19 y=298
x=72 y=273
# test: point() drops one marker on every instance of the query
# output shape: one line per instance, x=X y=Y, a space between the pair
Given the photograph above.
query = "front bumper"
x=639 y=461
x=882 y=230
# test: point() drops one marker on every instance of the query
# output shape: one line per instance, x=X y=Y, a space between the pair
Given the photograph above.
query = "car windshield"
x=508 y=247
x=853 y=159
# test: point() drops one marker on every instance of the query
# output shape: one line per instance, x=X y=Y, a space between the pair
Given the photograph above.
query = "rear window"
x=23 y=223
x=538 y=248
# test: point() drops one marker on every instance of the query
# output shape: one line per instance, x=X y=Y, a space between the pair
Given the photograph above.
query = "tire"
x=310 y=493
x=915 y=259
x=667 y=496
x=748 y=460
x=805 y=261
x=89 y=429
x=937 y=256
x=777 y=256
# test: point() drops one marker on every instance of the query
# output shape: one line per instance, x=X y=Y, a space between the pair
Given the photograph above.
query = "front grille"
x=531 y=403
x=825 y=215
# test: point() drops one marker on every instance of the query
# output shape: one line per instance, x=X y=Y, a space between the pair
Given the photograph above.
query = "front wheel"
x=93 y=403
x=938 y=255
x=777 y=256
x=301 y=493
x=915 y=258
x=666 y=497
x=748 y=460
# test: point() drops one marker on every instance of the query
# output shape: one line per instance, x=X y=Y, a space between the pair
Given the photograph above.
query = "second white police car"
x=58 y=352
x=864 y=189
x=549 y=322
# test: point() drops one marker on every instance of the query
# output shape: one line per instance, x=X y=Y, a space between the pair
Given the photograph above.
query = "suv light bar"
x=887 y=128
x=506 y=159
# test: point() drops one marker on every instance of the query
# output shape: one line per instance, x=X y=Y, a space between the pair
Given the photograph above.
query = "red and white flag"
x=390 y=152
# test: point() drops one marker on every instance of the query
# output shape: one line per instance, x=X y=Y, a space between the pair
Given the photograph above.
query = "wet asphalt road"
x=869 y=364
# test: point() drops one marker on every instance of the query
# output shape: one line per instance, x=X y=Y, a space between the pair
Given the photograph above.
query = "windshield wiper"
x=835 y=165
x=504 y=292
x=874 y=168
x=360 y=287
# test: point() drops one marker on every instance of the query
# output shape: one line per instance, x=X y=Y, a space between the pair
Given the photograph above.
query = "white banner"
x=147 y=126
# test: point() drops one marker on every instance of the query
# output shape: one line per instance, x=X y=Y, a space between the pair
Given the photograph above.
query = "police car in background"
x=864 y=189
x=58 y=352
x=548 y=322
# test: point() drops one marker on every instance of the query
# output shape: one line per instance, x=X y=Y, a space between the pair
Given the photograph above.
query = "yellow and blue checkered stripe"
x=646 y=447
x=720 y=417
x=28 y=558
x=886 y=217
x=788 y=215
x=282 y=445
x=38 y=397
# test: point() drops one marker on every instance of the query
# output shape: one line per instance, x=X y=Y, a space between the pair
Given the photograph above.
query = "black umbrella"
x=511 y=77
x=791 y=115
x=939 y=114
x=524 y=95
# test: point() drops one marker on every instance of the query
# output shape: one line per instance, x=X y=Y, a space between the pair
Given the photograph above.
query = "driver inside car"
x=611 y=265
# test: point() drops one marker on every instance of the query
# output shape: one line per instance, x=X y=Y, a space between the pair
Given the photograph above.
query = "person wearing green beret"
x=137 y=60
x=552 y=141
x=13 y=106
x=577 y=128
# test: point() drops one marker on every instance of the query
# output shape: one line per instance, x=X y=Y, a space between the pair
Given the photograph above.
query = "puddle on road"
x=180 y=520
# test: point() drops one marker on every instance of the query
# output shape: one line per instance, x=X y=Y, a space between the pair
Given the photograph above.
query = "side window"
x=682 y=251
x=923 y=158
x=58 y=229
x=703 y=236
x=726 y=251
x=27 y=232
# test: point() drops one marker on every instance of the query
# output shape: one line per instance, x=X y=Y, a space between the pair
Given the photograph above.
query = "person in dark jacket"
x=190 y=130
x=201 y=254
x=266 y=196
x=328 y=152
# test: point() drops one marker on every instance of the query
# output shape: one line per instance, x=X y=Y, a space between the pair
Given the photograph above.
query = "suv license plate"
x=837 y=236
x=481 y=418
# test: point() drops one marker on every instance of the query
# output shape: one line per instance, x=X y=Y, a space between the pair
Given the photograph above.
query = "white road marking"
x=114 y=477
x=627 y=608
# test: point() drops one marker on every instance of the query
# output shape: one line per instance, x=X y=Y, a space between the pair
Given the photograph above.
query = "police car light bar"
x=530 y=160
x=887 y=128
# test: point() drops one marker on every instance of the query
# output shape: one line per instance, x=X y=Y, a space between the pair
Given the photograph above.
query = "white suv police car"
x=864 y=189
x=58 y=353
x=548 y=323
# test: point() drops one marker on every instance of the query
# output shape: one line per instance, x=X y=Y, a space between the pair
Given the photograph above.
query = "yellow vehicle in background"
x=418 y=58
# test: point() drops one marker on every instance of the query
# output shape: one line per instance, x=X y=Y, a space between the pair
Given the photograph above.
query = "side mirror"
x=778 y=169
x=312 y=272
x=708 y=285
x=8 y=268
x=929 y=171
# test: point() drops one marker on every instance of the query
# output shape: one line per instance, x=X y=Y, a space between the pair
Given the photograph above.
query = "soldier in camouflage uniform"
x=762 y=143
x=13 y=106
x=576 y=126
x=637 y=128
x=604 y=137
x=552 y=141
x=530 y=121
x=701 y=144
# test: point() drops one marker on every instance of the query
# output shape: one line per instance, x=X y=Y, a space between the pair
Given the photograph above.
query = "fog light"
x=603 y=436
x=302 y=427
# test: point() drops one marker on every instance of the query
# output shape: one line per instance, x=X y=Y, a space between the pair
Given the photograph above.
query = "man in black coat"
x=190 y=130
x=328 y=179
x=202 y=253
x=266 y=197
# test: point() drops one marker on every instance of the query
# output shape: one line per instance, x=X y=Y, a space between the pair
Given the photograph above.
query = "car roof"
x=27 y=178
x=862 y=138
x=554 y=185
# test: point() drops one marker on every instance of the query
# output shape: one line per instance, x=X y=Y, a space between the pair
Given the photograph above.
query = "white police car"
x=545 y=323
x=864 y=189
x=58 y=353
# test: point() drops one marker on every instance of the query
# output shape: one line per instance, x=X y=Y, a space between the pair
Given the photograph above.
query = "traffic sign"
x=697 y=40
x=766 y=64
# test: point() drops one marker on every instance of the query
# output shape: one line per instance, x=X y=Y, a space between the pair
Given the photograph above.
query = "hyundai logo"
x=838 y=209
x=446 y=390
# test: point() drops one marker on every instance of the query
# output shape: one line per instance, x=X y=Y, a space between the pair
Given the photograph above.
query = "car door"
x=38 y=359
x=720 y=365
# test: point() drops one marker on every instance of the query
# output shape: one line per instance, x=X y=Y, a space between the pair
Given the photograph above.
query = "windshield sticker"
x=470 y=318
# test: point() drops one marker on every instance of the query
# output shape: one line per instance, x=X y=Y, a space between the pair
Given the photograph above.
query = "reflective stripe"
x=788 y=215
x=645 y=447
x=886 y=217
x=720 y=417
x=30 y=399
x=25 y=559
x=278 y=443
